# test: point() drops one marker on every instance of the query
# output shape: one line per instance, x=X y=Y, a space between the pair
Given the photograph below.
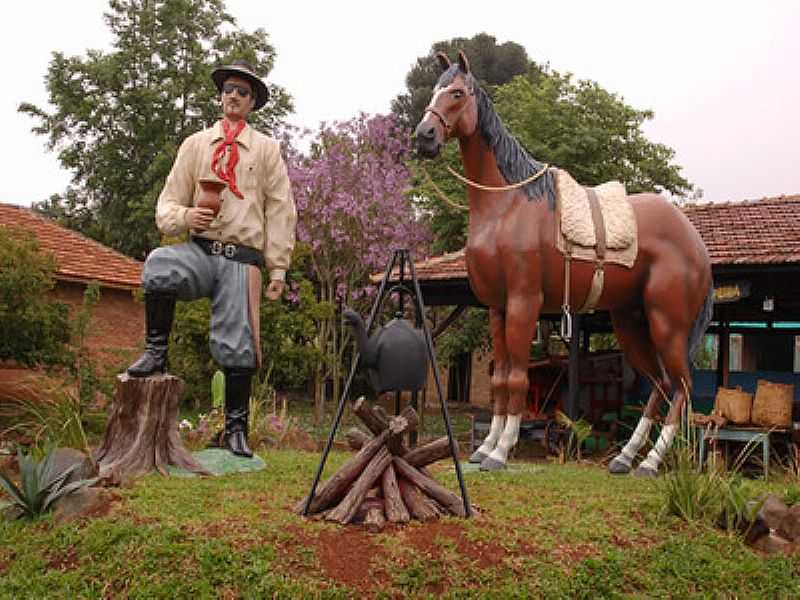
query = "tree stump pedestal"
x=142 y=430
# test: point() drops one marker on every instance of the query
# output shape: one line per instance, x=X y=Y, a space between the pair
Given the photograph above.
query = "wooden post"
x=426 y=454
x=415 y=500
x=573 y=397
x=372 y=419
x=412 y=435
x=347 y=508
x=431 y=487
x=723 y=355
x=356 y=438
x=336 y=487
x=396 y=511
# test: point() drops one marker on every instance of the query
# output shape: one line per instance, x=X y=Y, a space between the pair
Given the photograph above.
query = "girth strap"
x=598 y=279
x=600 y=236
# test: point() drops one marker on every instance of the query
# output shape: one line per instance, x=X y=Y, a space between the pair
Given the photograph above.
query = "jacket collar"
x=245 y=138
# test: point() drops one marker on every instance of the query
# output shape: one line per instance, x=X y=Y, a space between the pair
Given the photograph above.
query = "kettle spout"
x=353 y=320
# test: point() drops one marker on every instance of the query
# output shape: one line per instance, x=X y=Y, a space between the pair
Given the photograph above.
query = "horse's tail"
x=701 y=322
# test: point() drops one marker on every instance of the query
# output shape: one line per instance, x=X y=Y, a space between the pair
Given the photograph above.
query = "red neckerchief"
x=228 y=175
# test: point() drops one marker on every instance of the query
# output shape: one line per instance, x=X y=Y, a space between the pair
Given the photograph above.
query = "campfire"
x=385 y=480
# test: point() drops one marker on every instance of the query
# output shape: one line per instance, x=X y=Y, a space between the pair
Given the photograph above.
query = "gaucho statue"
x=251 y=224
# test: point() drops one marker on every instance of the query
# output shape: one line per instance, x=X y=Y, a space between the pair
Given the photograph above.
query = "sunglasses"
x=229 y=88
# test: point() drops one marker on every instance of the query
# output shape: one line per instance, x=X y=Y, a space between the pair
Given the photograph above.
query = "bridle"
x=430 y=109
x=447 y=127
x=440 y=116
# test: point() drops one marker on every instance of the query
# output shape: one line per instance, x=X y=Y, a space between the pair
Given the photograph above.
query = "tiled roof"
x=77 y=257
x=447 y=266
x=765 y=231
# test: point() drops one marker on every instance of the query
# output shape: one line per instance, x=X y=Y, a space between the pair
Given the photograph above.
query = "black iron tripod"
x=401 y=258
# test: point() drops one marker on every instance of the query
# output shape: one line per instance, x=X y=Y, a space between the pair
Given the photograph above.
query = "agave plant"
x=41 y=484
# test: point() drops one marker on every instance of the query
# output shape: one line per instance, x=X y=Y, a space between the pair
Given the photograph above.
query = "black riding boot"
x=159 y=310
x=237 y=410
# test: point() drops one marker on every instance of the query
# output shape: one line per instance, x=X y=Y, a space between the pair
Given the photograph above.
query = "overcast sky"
x=722 y=77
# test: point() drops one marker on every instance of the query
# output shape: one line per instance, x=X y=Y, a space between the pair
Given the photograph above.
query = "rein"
x=441 y=194
x=479 y=186
x=502 y=188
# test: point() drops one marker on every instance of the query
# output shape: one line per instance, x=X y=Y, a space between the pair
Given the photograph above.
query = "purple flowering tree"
x=352 y=190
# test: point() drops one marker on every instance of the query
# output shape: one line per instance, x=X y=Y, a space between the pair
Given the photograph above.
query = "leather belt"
x=231 y=251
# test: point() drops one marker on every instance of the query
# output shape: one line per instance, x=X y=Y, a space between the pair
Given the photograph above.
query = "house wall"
x=480 y=387
x=480 y=393
x=431 y=394
x=117 y=321
x=114 y=338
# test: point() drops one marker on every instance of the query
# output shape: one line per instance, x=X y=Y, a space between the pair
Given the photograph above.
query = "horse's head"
x=452 y=111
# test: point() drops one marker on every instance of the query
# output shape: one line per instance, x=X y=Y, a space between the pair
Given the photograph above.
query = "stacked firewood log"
x=385 y=480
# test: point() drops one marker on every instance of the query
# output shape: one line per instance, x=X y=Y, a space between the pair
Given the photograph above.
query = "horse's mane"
x=513 y=161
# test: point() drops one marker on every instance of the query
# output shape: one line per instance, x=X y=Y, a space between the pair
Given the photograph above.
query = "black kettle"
x=395 y=356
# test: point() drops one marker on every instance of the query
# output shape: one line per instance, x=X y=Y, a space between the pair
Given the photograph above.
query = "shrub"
x=33 y=328
x=713 y=496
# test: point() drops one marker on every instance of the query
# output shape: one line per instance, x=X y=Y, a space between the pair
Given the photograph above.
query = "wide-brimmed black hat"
x=245 y=71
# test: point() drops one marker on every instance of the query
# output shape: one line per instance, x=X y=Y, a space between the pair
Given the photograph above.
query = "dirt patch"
x=290 y=563
x=427 y=537
x=345 y=556
x=64 y=562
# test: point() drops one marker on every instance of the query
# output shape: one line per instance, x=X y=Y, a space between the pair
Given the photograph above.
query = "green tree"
x=590 y=132
x=492 y=63
x=33 y=328
x=120 y=115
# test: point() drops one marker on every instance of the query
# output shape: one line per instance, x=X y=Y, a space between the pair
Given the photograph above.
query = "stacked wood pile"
x=385 y=480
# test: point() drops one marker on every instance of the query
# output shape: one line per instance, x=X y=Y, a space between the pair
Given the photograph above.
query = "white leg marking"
x=496 y=428
x=656 y=455
x=507 y=439
x=636 y=442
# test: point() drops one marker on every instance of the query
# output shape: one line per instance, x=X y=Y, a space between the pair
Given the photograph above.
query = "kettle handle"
x=399 y=287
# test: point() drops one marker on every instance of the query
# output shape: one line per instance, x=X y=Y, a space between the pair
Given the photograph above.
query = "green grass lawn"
x=545 y=530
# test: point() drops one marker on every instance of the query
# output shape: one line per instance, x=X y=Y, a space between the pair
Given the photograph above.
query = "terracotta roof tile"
x=78 y=258
x=750 y=232
x=765 y=231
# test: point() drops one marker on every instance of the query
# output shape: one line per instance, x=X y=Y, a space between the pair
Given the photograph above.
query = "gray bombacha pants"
x=190 y=273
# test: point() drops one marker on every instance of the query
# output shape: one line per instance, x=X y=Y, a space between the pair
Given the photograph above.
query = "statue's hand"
x=199 y=219
x=274 y=289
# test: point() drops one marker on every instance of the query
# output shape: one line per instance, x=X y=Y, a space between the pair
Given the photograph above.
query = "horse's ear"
x=463 y=63
x=444 y=61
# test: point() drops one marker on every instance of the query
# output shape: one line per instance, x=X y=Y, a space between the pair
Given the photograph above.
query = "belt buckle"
x=230 y=250
x=216 y=247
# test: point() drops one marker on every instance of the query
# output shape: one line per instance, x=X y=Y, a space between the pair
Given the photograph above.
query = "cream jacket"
x=265 y=218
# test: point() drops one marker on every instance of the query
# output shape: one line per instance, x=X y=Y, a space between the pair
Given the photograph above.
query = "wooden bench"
x=748 y=435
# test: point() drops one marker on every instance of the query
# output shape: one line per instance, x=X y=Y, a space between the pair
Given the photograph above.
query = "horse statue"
x=660 y=305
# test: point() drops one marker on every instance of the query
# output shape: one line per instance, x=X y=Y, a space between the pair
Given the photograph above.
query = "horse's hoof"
x=618 y=466
x=478 y=457
x=490 y=464
x=645 y=471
